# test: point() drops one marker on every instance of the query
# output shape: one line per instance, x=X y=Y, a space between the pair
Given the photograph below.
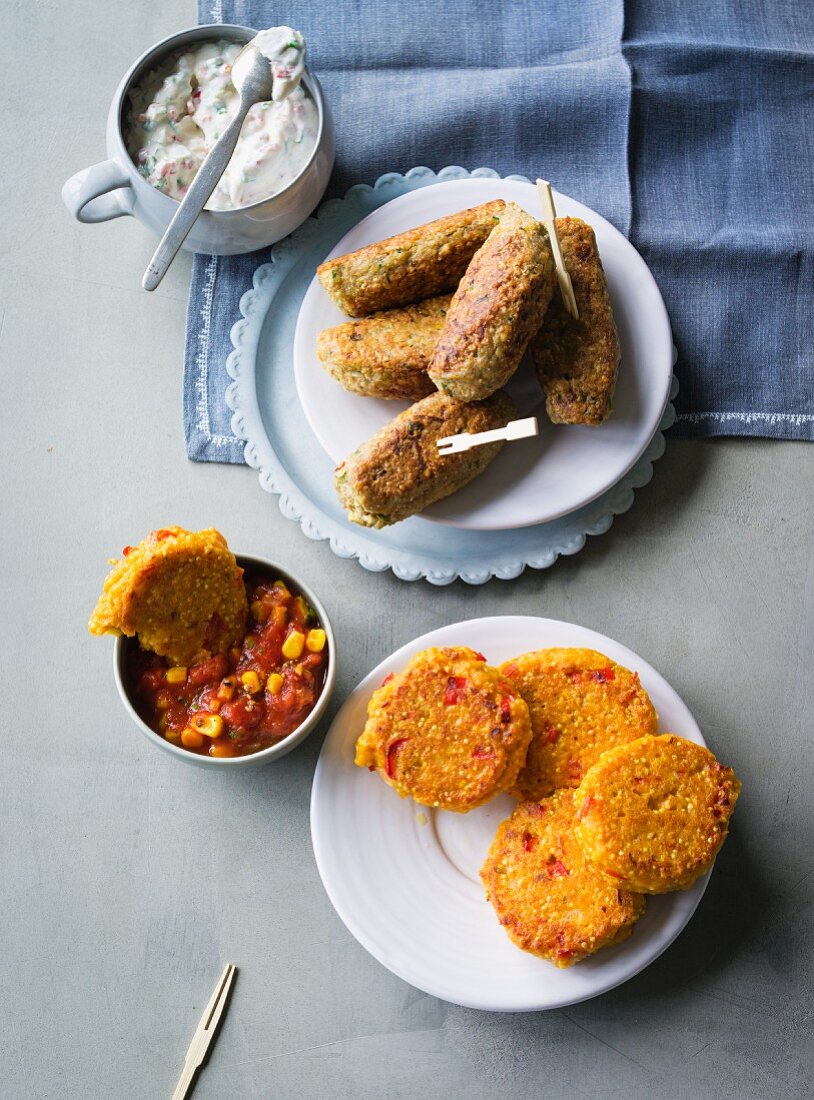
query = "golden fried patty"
x=411 y=266
x=180 y=591
x=581 y=704
x=577 y=361
x=448 y=730
x=497 y=308
x=399 y=471
x=551 y=900
x=386 y=355
x=653 y=814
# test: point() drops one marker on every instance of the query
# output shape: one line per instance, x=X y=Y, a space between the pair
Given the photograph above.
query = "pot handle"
x=87 y=197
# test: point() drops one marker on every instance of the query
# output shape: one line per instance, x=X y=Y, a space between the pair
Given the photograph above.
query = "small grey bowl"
x=274 y=752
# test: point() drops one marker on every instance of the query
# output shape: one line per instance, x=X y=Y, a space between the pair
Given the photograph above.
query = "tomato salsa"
x=244 y=700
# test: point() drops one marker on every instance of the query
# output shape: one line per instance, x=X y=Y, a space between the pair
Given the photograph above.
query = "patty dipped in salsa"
x=247 y=698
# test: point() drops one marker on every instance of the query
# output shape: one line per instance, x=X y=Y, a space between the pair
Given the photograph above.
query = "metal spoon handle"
x=195 y=199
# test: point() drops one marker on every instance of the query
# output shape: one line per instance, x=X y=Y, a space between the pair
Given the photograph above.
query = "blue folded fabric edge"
x=743 y=369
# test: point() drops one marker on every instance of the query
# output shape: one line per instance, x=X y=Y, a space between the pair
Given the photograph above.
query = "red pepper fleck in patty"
x=482 y=754
x=552 y=735
x=529 y=842
x=506 y=709
x=574 y=770
x=534 y=809
x=455 y=685
x=557 y=869
x=392 y=751
x=585 y=807
x=604 y=675
x=388 y=678
x=480 y=656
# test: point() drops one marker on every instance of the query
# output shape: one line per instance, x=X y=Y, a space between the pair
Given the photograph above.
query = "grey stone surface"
x=129 y=879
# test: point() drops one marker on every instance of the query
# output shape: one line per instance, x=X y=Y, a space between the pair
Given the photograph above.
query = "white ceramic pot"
x=114 y=187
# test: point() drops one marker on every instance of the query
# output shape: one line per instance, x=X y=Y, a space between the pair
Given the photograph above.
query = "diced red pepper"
x=127 y=550
x=506 y=709
x=574 y=675
x=480 y=656
x=574 y=770
x=213 y=669
x=392 y=752
x=162 y=534
x=388 y=678
x=510 y=670
x=534 y=809
x=529 y=842
x=563 y=952
x=585 y=807
x=604 y=675
x=153 y=679
x=552 y=735
x=557 y=869
x=455 y=685
x=482 y=754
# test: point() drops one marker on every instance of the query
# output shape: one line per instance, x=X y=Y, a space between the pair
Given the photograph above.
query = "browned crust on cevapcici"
x=410 y=266
x=386 y=355
x=399 y=471
x=577 y=361
x=497 y=308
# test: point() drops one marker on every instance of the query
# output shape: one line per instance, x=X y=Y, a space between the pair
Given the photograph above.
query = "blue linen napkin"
x=687 y=123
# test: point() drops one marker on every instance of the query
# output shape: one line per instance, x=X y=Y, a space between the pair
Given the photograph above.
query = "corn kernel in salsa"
x=245 y=700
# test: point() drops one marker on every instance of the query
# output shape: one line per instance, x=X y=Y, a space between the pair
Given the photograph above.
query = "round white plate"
x=564 y=468
x=405 y=880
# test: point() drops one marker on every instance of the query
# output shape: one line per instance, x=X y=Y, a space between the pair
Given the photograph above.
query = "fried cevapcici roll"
x=577 y=361
x=399 y=471
x=497 y=308
x=411 y=266
x=386 y=355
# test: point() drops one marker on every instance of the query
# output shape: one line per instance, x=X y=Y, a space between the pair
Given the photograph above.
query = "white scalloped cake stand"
x=292 y=465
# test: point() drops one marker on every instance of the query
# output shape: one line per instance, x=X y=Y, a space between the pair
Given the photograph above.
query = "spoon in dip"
x=257 y=77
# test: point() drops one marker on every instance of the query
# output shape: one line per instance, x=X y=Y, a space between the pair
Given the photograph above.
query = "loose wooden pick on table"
x=515 y=429
x=205 y=1032
x=548 y=219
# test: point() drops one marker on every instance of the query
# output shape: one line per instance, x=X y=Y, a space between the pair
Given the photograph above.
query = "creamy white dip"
x=179 y=111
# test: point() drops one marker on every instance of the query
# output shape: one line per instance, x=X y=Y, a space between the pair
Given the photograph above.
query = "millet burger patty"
x=653 y=814
x=551 y=900
x=449 y=730
x=180 y=591
x=581 y=703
